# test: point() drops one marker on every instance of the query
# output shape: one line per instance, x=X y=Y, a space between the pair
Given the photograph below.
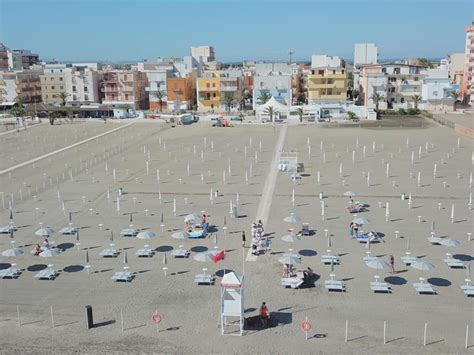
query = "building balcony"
x=208 y=89
x=229 y=88
x=317 y=86
x=327 y=76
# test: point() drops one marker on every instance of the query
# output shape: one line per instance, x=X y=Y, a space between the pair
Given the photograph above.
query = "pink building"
x=467 y=88
x=125 y=87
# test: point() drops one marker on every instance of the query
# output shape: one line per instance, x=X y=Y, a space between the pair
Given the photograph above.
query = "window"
x=74 y=88
x=392 y=89
x=416 y=78
x=46 y=96
x=60 y=79
x=61 y=87
x=214 y=95
x=393 y=99
x=86 y=98
x=125 y=77
x=213 y=85
x=85 y=89
x=208 y=96
x=126 y=97
x=402 y=100
x=342 y=71
x=321 y=72
x=208 y=85
x=51 y=79
x=334 y=72
x=52 y=87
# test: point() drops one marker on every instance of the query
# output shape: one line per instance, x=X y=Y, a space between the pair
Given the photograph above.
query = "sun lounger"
x=123 y=276
x=328 y=259
x=454 y=263
x=305 y=229
x=204 y=279
x=335 y=285
x=109 y=253
x=145 y=253
x=46 y=274
x=180 y=253
x=293 y=282
x=68 y=231
x=435 y=240
x=129 y=232
x=7 y=229
x=380 y=287
x=10 y=273
x=408 y=260
x=468 y=290
x=424 y=287
x=373 y=236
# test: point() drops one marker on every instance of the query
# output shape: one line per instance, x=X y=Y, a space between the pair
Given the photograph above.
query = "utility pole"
x=290 y=53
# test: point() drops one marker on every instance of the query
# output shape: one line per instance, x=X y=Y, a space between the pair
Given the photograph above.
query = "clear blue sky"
x=238 y=29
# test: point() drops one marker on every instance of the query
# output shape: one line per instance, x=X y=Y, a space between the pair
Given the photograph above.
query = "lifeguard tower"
x=232 y=304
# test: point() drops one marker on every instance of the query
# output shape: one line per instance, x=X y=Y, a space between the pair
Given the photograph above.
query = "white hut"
x=280 y=109
x=232 y=303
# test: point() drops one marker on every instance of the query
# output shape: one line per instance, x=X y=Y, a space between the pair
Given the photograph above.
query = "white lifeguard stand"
x=232 y=304
x=288 y=162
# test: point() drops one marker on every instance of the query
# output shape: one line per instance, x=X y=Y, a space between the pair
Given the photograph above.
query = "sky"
x=120 y=30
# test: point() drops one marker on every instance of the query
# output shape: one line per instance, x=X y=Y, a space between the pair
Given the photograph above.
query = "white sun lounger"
x=328 y=259
x=468 y=290
x=46 y=274
x=380 y=287
x=335 y=285
x=204 y=279
x=145 y=253
x=293 y=282
x=454 y=263
x=109 y=253
x=424 y=287
x=10 y=273
x=180 y=253
x=125 y=276
x=408 y=260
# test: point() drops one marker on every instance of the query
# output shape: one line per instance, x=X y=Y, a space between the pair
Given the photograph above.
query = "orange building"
x=180 y=92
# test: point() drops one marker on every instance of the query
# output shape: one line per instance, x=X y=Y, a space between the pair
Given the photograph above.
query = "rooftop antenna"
x=290 y=53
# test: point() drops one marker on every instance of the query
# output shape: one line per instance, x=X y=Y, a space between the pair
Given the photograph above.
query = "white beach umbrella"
x=180 y=235
x=449 y=242
x=48 y=253
x=290 y=259
x=44 y=231
x=292 y=218
x=377 y=264
x=192 y=218
x=422 y=265
x=13 y=252
x=290 y=238
x=207 y=256
x=146 y=235
x=361 y=221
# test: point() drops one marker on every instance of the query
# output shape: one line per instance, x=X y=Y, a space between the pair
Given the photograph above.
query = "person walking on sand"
x=264 y=314
x=392 y=264
x=243 y=239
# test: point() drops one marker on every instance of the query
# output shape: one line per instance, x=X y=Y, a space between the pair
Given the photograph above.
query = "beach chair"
x=293 y=282
x=204 y=279
x=454 y=263
x=129 y=232
x=382 y=287
x=10 y=273
x=424 y=288
x=408 y=260
x=468 y=289
x=305 y=229
x=145 y=253
x=180 y=253
x=335 y=285
x=123 y=276
x=328 y=259
x=109 y=253
x=46 y=274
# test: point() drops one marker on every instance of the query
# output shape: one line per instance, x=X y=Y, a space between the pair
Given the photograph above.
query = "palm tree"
x=377 y=98
x=455 y=95
x=300 y=113
x=355 y=95
x=352 y=115
x=159 y=95
x=416 y=99
x=424 y=62
x=264 y=97
x=270 y=111
x=228 y=99
x=63 y=96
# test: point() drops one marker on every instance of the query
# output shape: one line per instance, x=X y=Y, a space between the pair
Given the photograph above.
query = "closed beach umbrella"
x=131 y=218
x=179 y=235
x=125 y=258
x=48 y=253
x=449 y=242
x=13 y=252
x=361 y=221
x=44 y=231
x=292 y=219
x=11 y=214
x=290 y=238
x=87 y=257
x=111 y=236
x=290 y=259
x=146 y=235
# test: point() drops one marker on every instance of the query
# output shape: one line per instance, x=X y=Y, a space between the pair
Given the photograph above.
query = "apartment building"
x=180 y=93
x=21 y=59
x=157 y=75
x=82 y=84
x=125 y=87
x=436 y=83
x=467 y=89
x=204 y=54
x=365 y=54
x=208 y=91
x=53 y=84
x=327 y=85
x=23 y=86
x=3 y=57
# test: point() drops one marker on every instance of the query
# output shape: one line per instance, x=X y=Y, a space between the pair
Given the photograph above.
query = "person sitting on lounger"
x=285 y=270
x=37 y=250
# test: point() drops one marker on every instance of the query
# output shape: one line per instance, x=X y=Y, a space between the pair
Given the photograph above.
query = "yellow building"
x=327 y=84
x=53 y=83
x=208 y=90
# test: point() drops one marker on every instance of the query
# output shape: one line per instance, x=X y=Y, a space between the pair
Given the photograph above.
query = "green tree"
x=352 y=115
x=63 y=96
x=301 y=97
x=424 y=62
x=228 y=100
x=355 y=95
x=300 y=113
x=159 y=95
x=377 y=98
x=264 y=97
x=270 y=111
x=17 y=111
x=51 y=117
x=455 y=95
x=416 y=100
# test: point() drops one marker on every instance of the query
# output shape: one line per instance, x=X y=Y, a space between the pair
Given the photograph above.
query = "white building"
x=276 y=84
x=205 y=54
x=157 y=74
x=365 y=53
x=324 y=61
x=82 y=83
x=435 y=86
